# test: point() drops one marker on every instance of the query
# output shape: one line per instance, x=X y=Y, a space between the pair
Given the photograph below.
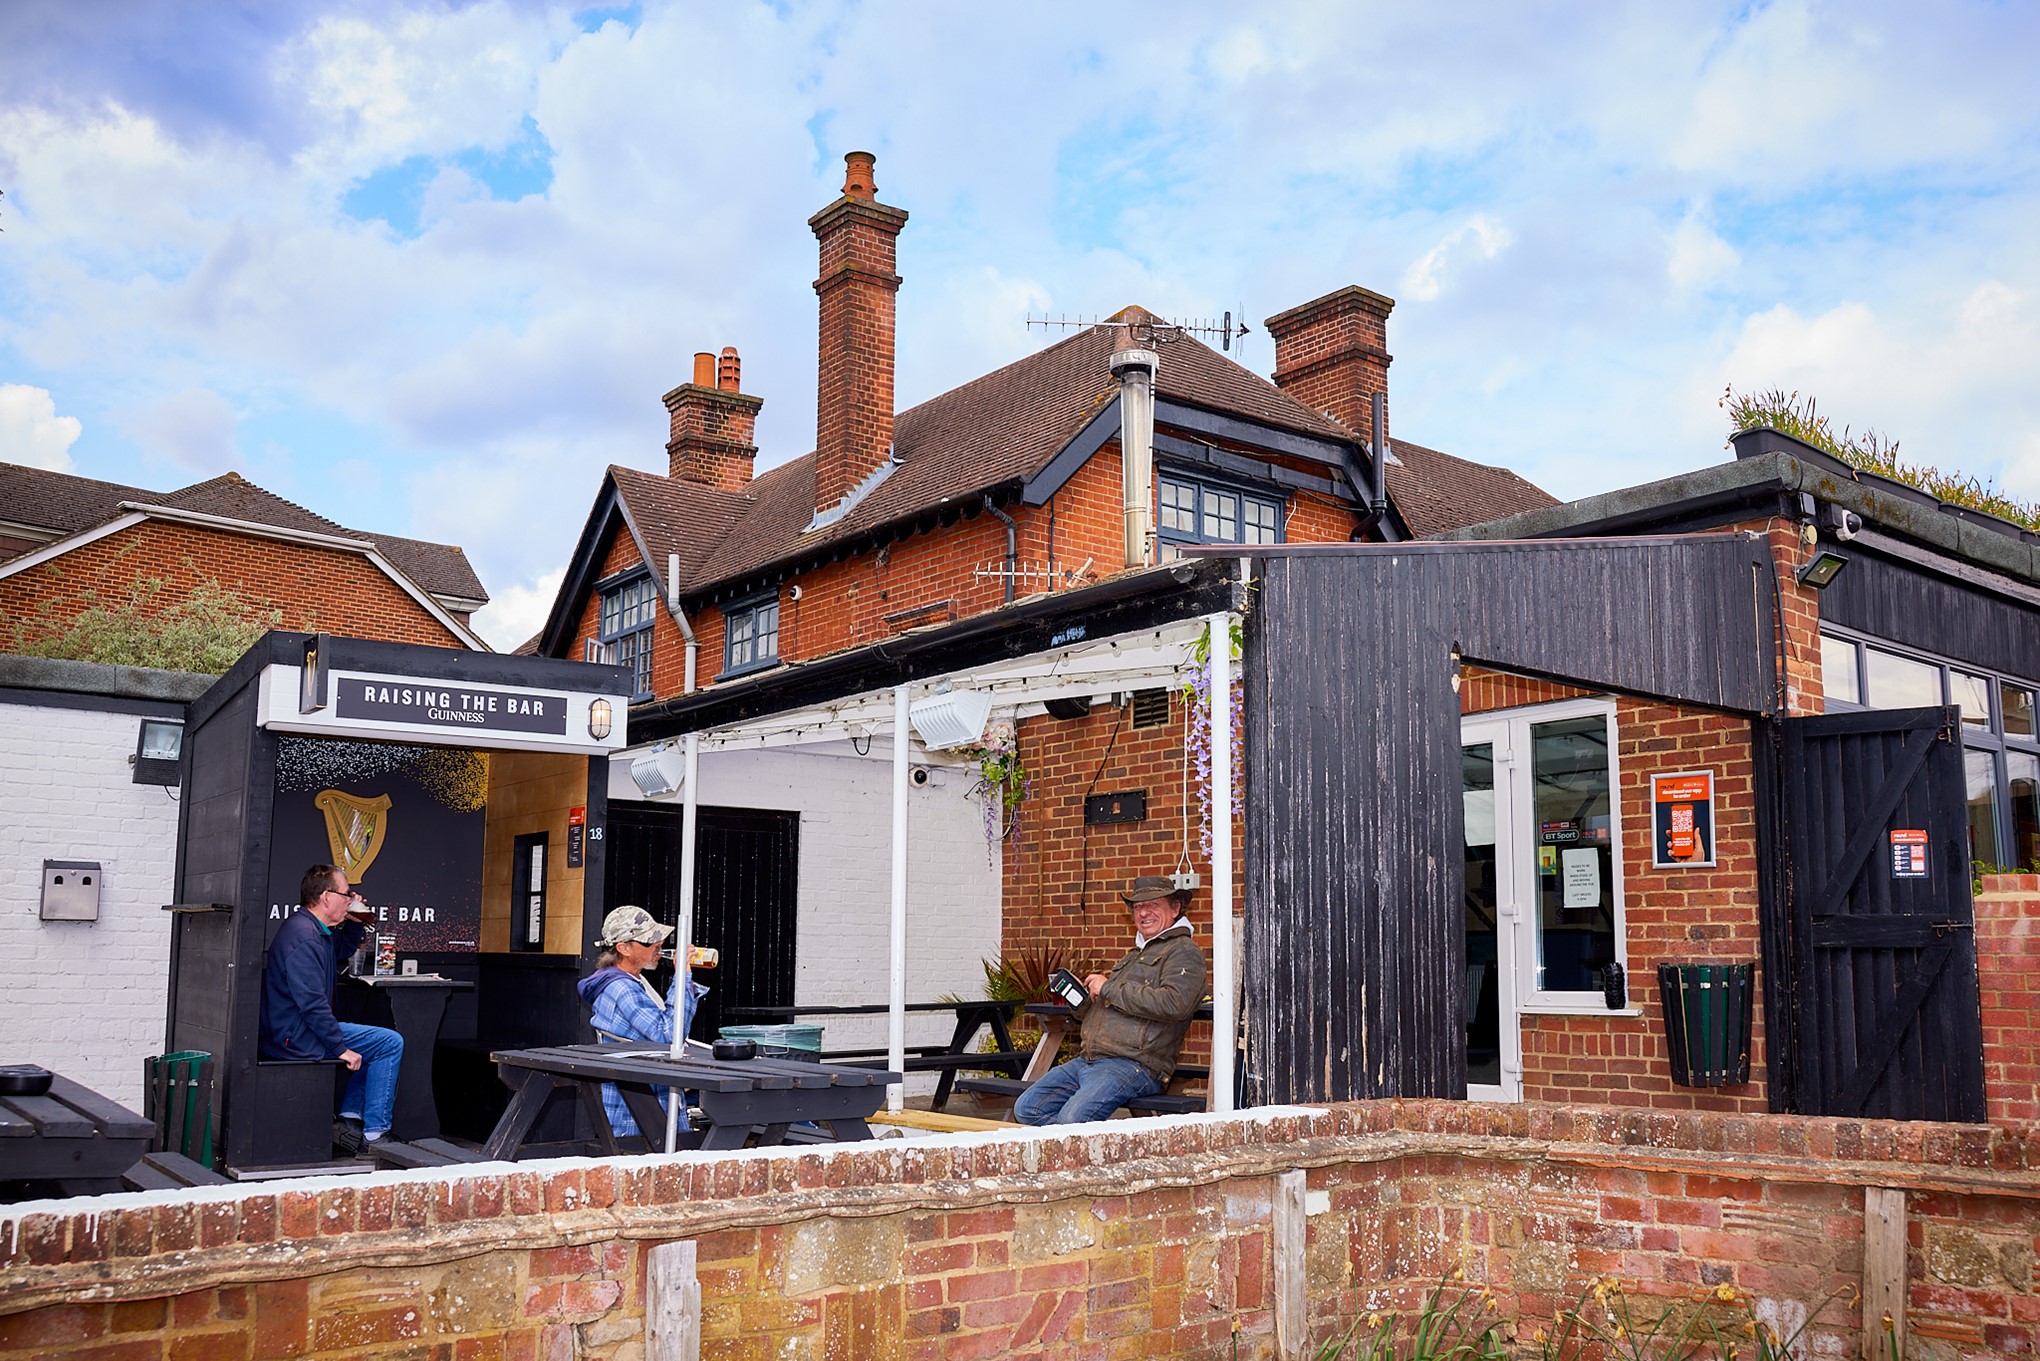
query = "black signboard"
x=423 y=704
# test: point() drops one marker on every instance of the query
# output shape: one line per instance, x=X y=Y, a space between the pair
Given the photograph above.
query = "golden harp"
x=355 y=828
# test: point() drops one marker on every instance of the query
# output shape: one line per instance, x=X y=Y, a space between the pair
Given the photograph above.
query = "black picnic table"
x=71 y=1136
x=947 y=1059
x=768 y=1095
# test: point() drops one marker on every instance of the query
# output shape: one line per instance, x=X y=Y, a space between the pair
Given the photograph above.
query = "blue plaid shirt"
x=625 y=1010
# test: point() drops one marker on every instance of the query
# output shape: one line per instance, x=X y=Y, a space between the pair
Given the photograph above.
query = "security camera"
x=1844 y=524
x=920 y=776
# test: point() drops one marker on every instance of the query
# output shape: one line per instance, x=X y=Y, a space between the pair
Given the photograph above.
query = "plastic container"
x=803 y=1042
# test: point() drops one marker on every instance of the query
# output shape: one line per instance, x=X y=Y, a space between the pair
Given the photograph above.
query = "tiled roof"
x=1436 y=492
x=991 y=431
x=67 y=504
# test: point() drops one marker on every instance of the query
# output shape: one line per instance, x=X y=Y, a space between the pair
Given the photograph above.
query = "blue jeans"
x=1083 y=1089
x=372 y=1090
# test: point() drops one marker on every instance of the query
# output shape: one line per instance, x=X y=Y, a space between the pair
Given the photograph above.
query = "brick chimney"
x=1331 y=354
x=854 y=388
x=715 y=426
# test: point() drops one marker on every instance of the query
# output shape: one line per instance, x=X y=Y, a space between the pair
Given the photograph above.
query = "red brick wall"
x=317 y=589
x=1150 y=1239
x=2008 y=969
x=1672 y=916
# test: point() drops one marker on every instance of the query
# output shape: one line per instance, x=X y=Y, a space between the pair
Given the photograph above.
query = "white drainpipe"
x=680 y=617
x=1135 y=370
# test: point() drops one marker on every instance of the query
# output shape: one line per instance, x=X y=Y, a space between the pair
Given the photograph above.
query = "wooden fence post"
x=1292 y=1319
x=1884 y=1282
x=672 y=1303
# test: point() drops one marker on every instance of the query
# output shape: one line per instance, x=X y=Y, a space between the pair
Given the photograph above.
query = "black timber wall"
x=1355 y=968
x=1935 y=613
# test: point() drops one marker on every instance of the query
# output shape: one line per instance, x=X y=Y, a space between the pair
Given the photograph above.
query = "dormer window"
x=1196 y=511
x=626 y=628
x=750 y=635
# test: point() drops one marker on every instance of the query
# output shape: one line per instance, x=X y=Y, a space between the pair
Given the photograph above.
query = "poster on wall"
x=405 y=823
x=1682 y=820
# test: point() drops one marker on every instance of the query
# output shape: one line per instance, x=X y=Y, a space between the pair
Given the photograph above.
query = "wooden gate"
x=1882 y=954
x=745 y=895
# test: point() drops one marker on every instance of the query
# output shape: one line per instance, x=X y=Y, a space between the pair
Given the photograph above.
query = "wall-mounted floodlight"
x=955 y=718
x=1822 y=568
x=659 y=771
x=598 y=719
x=157 y=751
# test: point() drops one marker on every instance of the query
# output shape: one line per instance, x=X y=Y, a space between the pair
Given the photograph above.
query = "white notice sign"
x=1582 y=868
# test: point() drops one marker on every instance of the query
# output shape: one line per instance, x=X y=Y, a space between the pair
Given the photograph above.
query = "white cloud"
x=516 y=612
x=31 y=431
x=1481 y=238
x=1699 y=258
x=192 y=431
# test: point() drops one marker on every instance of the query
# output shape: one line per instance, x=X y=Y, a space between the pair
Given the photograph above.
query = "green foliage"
x=1800 y=418
x=1455 y=1329
x=1023 y=977
x=205 y=632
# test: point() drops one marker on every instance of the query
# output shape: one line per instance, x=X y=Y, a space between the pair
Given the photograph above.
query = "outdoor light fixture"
x=955 y=718
x=1822 y=568
x=157 y=751
x=659 y=771
x=598 y=719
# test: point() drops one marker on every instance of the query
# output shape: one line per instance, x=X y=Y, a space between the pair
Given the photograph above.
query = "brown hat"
x=1149 y=887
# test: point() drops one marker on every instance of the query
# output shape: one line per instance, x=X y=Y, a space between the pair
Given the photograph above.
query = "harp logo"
x=355 y=829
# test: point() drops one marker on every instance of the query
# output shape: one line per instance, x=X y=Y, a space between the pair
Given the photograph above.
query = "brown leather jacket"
x=1146 y=1003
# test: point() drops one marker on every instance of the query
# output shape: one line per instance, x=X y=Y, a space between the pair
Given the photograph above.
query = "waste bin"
x=1707 y=1021
x=802 y=1042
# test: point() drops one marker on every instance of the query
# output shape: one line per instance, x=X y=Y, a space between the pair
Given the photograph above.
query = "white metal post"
x=1223 y=967
x=683 y=932
x=896 y=998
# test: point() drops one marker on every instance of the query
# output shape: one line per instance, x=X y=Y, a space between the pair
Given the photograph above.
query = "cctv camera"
x=1847 y=524
x=921 y=775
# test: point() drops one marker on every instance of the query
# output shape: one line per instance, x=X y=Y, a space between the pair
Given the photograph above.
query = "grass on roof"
x=1869 y=451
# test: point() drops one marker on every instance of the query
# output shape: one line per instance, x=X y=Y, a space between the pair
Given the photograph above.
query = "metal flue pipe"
x=1135 y=370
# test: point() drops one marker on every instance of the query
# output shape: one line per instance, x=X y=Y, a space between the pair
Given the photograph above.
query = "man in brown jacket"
x=1133 y=1023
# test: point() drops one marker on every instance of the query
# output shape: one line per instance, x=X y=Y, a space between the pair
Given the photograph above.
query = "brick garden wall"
x=2008 y=970
x=1141 y=1239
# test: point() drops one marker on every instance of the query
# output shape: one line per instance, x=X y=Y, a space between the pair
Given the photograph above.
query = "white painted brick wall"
x=843 y=931
x=85 y=999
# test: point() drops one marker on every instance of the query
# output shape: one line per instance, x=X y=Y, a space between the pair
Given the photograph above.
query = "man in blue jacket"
x=297 y=1006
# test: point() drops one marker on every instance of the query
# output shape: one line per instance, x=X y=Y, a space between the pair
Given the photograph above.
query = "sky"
x=427 y=268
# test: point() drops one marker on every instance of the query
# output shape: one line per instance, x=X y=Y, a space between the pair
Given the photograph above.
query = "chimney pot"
x=714 y=426
x=704 y=369
x=858 y=181
x=729 y=370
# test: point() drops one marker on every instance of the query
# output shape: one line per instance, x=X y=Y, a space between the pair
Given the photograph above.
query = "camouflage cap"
x=632 y=923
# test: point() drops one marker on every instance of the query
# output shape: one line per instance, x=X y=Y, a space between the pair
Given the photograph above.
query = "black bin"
x=1707 y=1021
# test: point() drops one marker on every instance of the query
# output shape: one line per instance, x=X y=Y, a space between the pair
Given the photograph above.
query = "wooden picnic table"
x=72 y=1136
x=771 y=1095
x=947 y=1059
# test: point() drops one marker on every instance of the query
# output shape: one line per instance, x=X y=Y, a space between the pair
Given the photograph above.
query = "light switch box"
x=70 y=890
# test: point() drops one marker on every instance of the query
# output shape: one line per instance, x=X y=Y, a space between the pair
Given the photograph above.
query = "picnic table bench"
x=948 y=1058
x=1056 y=1021
x=737 y=1097
x=70 y=1135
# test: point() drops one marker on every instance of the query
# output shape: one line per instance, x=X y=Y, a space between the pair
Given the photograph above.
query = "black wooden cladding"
x=1882 y=968
x=1356 y=947
x=1933 y=613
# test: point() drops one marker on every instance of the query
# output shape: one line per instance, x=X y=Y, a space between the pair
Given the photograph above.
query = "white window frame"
x=1530 y=999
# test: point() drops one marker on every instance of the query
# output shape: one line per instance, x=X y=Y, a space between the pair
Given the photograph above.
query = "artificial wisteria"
x=1002 y=782
x=1197 y=698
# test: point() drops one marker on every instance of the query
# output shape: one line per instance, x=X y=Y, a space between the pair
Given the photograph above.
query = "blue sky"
x=427 y=268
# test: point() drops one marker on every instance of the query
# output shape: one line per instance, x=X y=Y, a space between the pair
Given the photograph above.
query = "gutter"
x=1012 y=545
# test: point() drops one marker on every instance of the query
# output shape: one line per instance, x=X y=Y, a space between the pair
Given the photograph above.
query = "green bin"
x=802 y=1042
x=1707 y=1021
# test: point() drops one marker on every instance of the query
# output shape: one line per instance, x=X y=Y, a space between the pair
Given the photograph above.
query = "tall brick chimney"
x=715 y=427
x=854 y=388
x=1331 y=354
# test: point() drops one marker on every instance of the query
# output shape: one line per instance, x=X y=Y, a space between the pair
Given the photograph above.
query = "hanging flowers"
x=1197 y=699
x=1002 y=781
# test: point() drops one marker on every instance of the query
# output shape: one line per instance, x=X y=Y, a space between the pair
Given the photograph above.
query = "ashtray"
x=23 y=1079
x=731 y=1050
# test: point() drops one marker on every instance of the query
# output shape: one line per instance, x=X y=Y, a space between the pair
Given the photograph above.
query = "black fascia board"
x=1125 y=604
x=584 y=567
x=1059 y=469
x=1331 y=452
x=280 y=647
x=1239 y=466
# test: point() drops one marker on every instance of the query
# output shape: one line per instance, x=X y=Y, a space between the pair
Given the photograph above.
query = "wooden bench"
x=165 y=1171
x=1170 y=1102
x=941 y=1122
x=421 y=1153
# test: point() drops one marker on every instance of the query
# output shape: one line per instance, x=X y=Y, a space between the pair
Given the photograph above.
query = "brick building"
x=69 y=542
x=1008 y=488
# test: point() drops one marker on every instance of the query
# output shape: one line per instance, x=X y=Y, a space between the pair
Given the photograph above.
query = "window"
x=626 y=628
x=2001 y=744
x=750 y=635
x=1194 y=511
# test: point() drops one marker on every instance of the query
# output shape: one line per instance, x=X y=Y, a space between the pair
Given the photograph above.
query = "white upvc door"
x=1492 y=778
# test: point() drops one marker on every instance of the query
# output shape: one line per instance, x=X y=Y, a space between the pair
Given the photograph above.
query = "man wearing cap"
x=1134 y=1022
x=625 y=1004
